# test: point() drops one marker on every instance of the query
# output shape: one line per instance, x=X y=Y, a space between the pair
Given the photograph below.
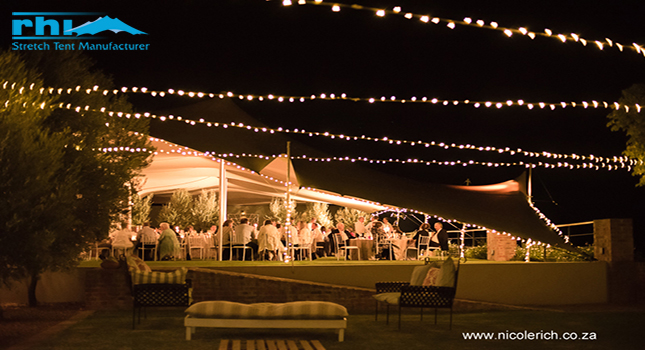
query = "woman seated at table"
x=169 y=248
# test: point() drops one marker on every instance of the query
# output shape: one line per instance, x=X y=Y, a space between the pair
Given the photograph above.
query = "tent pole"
x=288 y=221
x=530 y=186
x=222 y=206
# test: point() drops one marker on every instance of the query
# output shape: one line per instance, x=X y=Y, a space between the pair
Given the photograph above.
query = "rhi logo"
x=58 y=25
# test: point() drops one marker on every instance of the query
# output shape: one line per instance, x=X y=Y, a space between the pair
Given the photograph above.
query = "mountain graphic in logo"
x=102 y=24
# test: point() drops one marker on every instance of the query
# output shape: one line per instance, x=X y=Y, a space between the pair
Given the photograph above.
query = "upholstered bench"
x=297 y=314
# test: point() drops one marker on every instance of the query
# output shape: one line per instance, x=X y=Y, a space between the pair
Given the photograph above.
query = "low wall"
x=515 y=283
x=53 y=287
x=211 y=284
x=512 y=283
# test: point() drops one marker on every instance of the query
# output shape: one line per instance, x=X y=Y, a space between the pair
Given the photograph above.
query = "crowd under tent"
x=503 y=207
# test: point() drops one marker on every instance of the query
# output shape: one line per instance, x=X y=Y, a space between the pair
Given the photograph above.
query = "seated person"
x=245 y=235
x=169 y=248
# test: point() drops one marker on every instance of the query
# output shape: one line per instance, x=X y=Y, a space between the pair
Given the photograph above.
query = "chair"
x=243 y=247
x=302 y=248
x=212 y=247
x=340 y=244
x=196 y=242
x=417 y=293
x=383 y=243
x=424 y=241
x=149 y=243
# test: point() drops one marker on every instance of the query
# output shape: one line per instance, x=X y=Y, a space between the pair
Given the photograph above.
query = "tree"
x=317 y=210
x=179 y=212
x=278 y=209
x=36 y=190
x=349 y=216
x=206 y=210
x=630 y=119
x=59 y=192
x=141 y=208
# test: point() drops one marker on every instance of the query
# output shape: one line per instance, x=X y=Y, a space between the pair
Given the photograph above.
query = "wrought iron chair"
x=413 y=294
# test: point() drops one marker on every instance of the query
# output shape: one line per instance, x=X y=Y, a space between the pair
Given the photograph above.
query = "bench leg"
x=341 y=335
x=189 y=332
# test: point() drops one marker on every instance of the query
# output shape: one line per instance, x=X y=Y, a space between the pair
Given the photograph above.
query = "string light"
x=451 y=23
x=608 y=160
x=343 y=96
x=598 y=165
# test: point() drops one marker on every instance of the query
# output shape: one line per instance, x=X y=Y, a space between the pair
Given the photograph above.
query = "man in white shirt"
x=148 y=237
x=359 y=227
x=318 y=241
x=245 y=234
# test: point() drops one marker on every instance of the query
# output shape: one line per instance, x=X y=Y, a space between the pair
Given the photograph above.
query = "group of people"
x=269 y=240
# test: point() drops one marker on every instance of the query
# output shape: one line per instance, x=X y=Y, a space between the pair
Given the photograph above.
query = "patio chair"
x=431 y=286
x=155 y=288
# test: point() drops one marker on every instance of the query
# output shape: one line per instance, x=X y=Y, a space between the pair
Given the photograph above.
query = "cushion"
x=136 y=264
x=446 y=277
x=431 y=277
x=293 y=310
x=390 y=298
x=145 y=277
x=419 y=274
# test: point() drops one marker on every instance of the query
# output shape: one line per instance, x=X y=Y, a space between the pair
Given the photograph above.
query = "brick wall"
x=613 y=240
x=108 y=289
x=500 y=247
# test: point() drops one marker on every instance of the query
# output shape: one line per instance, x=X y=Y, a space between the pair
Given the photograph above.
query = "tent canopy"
x=177 y=167
x=502 y=207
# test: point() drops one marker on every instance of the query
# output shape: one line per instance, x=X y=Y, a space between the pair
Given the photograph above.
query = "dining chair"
x=424 y=241
x=196 y=242
x=340 y=244
x=243 y=247
x=149 y=243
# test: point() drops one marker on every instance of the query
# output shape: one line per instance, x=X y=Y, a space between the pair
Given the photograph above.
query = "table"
x=399 y=247
x=366 y=246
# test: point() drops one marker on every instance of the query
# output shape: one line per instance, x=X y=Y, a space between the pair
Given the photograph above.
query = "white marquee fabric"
x=176 y=167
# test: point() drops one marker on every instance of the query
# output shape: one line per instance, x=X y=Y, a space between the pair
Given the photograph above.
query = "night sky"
x=261 y=47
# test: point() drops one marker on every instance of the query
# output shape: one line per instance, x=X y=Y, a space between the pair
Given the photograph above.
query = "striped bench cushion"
x=304 y=310
x=175 y=277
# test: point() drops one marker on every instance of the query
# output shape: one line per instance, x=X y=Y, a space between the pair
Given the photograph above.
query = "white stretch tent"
x=176 y=167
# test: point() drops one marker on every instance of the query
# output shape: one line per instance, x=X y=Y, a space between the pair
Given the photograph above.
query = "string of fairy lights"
x=87 y=108
x=541 y=105
x=594 y=162
x=601 y=44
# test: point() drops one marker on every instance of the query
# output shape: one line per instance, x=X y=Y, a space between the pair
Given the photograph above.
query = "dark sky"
x=261 y=47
